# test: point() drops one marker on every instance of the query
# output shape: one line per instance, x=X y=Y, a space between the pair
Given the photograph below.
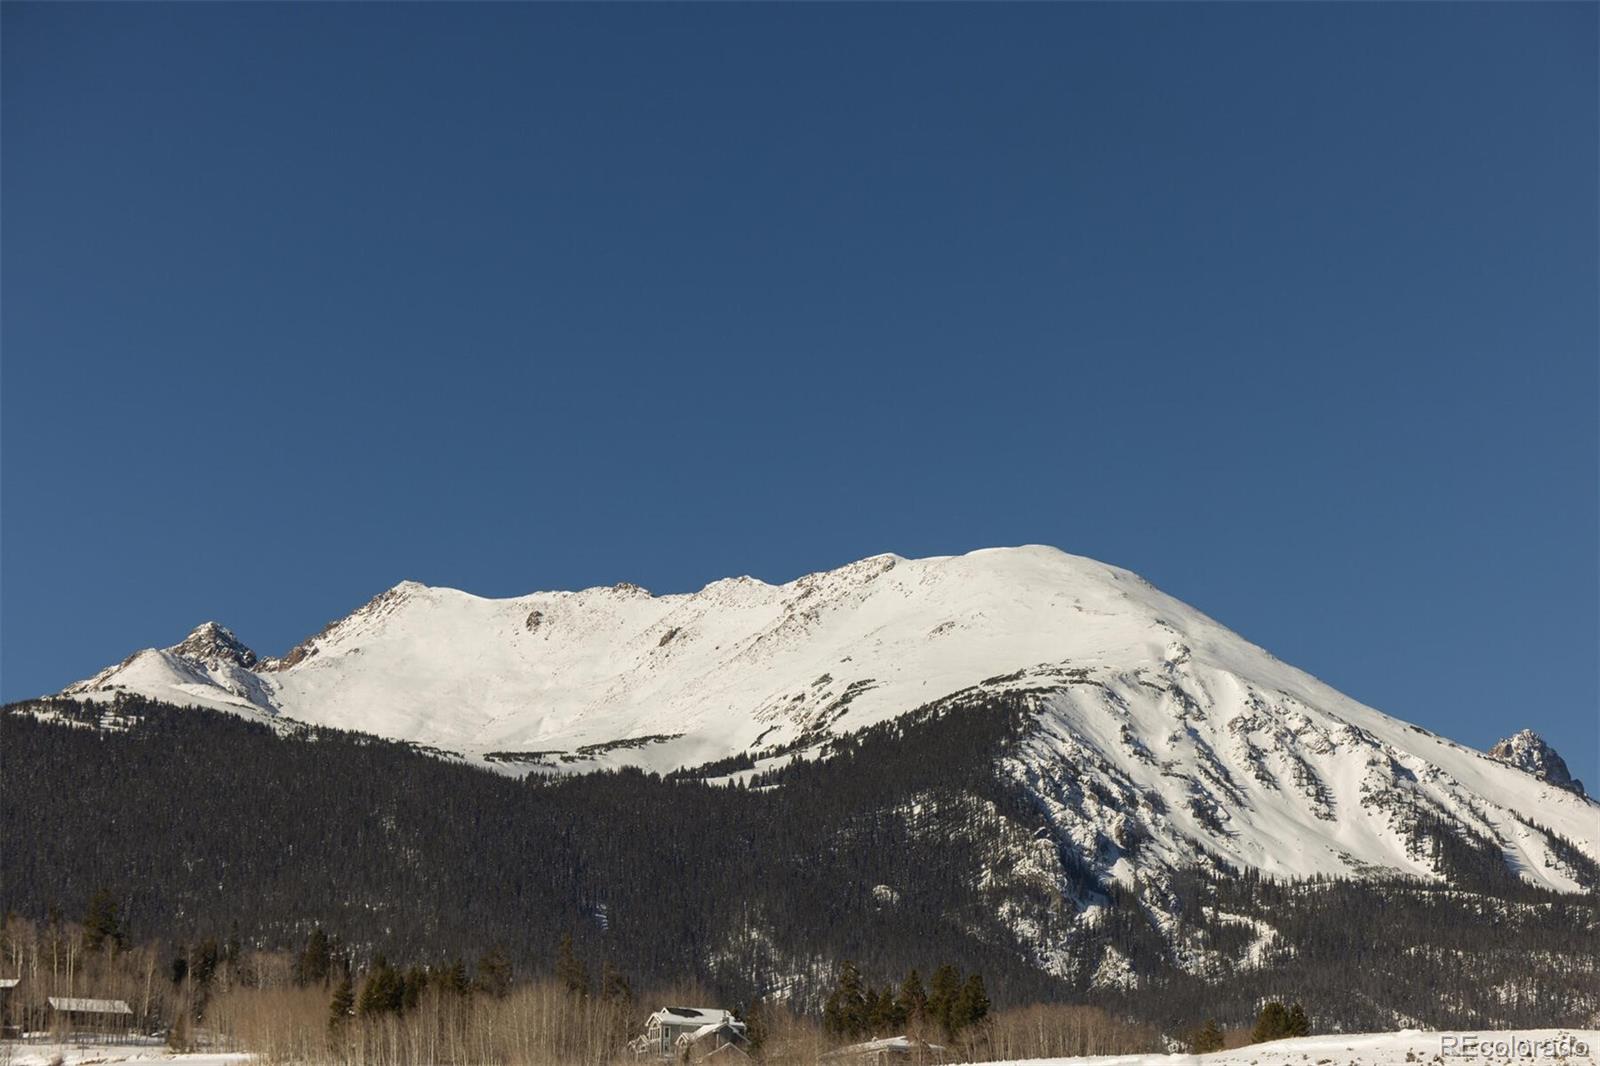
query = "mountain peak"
x=1123 y=684
x=1530 y=752
x=213 y=643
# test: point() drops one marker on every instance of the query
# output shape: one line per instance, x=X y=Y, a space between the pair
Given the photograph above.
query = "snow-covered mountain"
x=1161 y=737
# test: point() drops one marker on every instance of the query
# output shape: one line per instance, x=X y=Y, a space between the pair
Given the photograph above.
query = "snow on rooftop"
x=887 y=1043
x=700 y=1016
x=81 y=1005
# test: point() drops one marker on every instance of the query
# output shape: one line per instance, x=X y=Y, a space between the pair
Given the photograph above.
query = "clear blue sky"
x=1290 y=308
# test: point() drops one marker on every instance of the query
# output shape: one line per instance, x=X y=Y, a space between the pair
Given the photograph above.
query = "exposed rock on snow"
x=213 y=645
x=1528 y=751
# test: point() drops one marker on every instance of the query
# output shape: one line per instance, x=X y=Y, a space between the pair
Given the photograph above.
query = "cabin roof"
x=699 y=1017
x=887 y=1043
x=80 y=1005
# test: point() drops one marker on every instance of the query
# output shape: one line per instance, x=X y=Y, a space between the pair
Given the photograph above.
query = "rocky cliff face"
x=1528 y=751
x=213 y=645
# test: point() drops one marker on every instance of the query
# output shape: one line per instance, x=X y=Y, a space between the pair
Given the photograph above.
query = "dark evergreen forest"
x=896 y=851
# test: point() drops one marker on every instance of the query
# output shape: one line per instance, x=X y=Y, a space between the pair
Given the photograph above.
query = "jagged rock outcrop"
x=211 y=644
x=1529 y=751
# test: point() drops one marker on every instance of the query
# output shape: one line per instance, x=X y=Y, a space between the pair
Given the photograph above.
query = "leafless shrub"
x=1055 y=1031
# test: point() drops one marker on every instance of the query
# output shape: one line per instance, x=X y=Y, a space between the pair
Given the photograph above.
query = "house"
x=7 y=1027
x=715 y=1042
x=908 y=1050
x=700 y=1034
x=78 y=1019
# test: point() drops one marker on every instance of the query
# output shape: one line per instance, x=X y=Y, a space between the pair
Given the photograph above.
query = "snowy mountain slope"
x=1161 y=736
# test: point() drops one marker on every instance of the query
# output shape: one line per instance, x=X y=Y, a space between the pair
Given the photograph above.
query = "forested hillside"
x=201 y=821
x=902 y=847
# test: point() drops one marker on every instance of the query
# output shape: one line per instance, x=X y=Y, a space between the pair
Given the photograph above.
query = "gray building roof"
x=79 y=1005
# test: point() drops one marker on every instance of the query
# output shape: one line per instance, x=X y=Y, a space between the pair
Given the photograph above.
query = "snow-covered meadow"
x=1408 y=1046
x=143 y=1054
x=1404 y=1048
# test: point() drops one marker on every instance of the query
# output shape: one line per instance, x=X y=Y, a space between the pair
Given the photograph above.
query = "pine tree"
x=311 y=966
x=881 y=1011
x=845 y=1012
x=614 y=986
x=1206 y=1038
x=453 y=978
x=942 y=998
x=343 y=1003
x=384 y=991
x=494 y=973
x=411 y=988
x=102 y=924
x=1271 y=1024
x=203 y=965
x=972 y=1005
x=570 y=970
x=1297 y=1024
x=755 y=1020
x=895 y=1014
x=913 y=1001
